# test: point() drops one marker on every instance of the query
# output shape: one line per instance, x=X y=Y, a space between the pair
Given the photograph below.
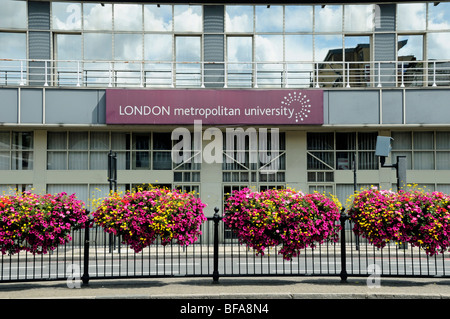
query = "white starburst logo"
x=300 y=103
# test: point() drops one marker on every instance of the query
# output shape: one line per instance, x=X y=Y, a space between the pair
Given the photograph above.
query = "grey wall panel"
x=38 y=15
x=74 y=106
x=8 y=105
x=427 y=107
x=31 y=110
x=214 y=52
x=214 y=19
x=392 y=106
x=353 y=107
x=385 y=17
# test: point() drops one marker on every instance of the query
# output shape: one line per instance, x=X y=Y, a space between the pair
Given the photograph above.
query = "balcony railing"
x=63 y=73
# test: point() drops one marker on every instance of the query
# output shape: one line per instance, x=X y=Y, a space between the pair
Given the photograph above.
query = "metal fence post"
x=216 y=219
x=343 y=273
x=85 y=277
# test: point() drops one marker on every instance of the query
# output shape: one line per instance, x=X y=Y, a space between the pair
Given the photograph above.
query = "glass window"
x=239 y=19
x=240 y=57
x=66 y=16
x=127 y=17
x=439 y=16
x=97 y=16
x=269 y=48
x=298 y=18
x=13 y=14
x=269 y=18
x=438 y=46
x=10 y=71
x=411 y=16
x=68 y=51
x=328 y=18
x=188 y=49
x=328 y=48
x=299 y=48
x=158 y=18
x=358 y=18
x=128 y=47
x=158 y=47
x=410 y=47
x=98 y=46
x=188 y=18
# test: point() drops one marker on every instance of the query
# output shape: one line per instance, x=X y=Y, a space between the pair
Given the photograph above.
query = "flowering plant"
x=142 y=216
x=38 y=223
x=282 y=217
x=416 y=217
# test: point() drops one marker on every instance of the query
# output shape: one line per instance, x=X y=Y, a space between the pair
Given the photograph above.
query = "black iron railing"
x=93 y=254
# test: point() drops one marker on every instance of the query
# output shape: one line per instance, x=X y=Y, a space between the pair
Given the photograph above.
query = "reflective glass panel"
x=127 y=17
x=439 y=16
x=328 y=18
x=269 y=48
x=239 y=18
x=298 y=18
x=158 y=47
x=269 y=19
x=328 y=48
x=188 y=18
x=411 y=16
x=13 y=14
x=358 y=18
x=66 y=16
x=158 y=18
x=128 y=47
x=299 y=48
x=97 y=16
x=410 y=47
x=97 y=46
x=438 y=46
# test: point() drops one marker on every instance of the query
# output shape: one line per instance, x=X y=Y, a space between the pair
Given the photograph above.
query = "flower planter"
x=141 y=217
x=282 y=217
x=38 y=223
x=419 y=218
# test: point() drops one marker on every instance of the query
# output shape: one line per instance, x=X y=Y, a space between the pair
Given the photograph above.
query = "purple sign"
x=214 y=107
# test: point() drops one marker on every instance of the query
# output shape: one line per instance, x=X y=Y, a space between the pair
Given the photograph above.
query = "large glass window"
x=240 y=58
x=16 y=150
x=239 y=19
x=158 y=18
x=97 y=16
x=411 y=17
x=269 y=18
x=13 y=14
x=68 y=53
x=337 y=151
x=358 y=18
x=10 y=71
x=423 y=150
x=439 y=16
x=127 y=17
x=66 y=16
x=328 y=18
x=188 y=57
x=298 y=18
x=188 y=18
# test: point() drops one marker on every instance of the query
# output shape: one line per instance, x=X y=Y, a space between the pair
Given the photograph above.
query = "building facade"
x=308 y=86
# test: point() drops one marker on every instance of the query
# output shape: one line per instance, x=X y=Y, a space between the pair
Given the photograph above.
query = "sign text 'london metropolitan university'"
x=236 y=107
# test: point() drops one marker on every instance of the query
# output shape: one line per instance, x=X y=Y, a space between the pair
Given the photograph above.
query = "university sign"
x=214 y=107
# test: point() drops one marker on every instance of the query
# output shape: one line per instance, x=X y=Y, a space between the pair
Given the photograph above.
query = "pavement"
x=231 y=297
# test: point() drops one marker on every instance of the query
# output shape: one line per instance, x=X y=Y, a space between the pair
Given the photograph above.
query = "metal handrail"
x=294 y=74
